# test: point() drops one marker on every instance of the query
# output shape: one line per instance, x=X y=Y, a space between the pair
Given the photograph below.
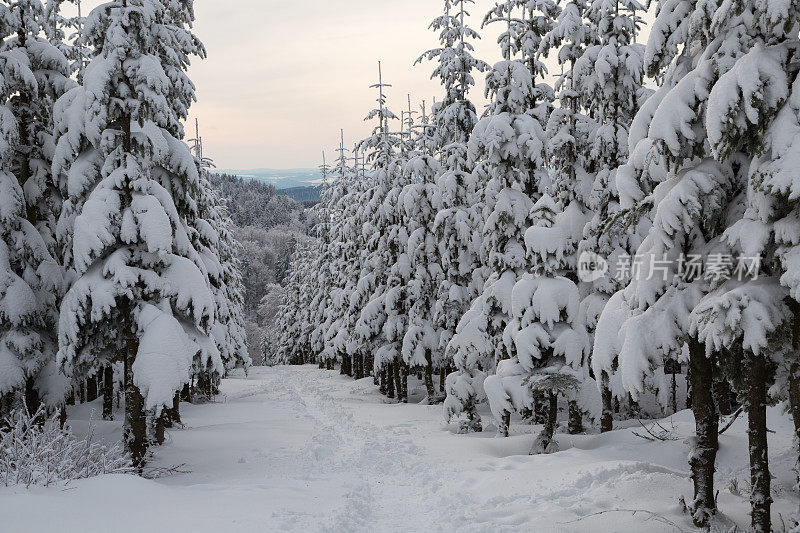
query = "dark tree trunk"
x=359 y=366
x=706 y=417
x=689 y=386
x=389 y=380
x=403 y=382
x=204 y=385
x=369 y=361
x=135 y=427
x=607 y=418
x=575 y=423
x=442 y=379
x=398 y=382
x=62 y=416
x=723 y=397
x=32 y=400
x=174 y=412
x=108 y=392
x=760 y=498
x=544 y=441
x=431 y=390
x=505 y=424
x=382 y=386
x=674 y=394
x=186 y=393
x=633 y=407
x=794 y=375
x=91 y=388
x=161 y=425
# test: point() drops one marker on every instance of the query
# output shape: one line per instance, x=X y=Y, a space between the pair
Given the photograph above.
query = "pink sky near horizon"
x=281 y=78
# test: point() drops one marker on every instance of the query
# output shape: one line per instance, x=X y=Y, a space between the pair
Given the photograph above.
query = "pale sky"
x=283 y=76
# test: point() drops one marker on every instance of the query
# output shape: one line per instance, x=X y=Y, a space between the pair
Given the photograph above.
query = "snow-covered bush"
x=36 y=450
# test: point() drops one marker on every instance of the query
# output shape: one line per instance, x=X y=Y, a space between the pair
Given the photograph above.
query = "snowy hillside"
x=280 y=178
x=302 y=449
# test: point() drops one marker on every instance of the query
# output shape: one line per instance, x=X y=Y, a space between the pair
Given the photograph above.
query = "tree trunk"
x=91 y=388
x=398 y=383
x=404 y=383
x=689 y=386
x=674 y=394
x=369 y=362
x=389 y=380
x=135 y=427
x=702 y=458
x=32 y=400
x=442 y=379
x=161 y=425
x=633 y=407
x=544 y=442
x=794 y=376
x=173 y=413
x=722 y=397
x=429 y=379
x=575 y=423
x=382 y=385
x=607 y=418
x=108 y=392
x=505 y=424
x=760 y=498
x=186 y=393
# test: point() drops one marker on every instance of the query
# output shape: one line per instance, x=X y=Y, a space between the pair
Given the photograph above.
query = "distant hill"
x=281 y=178
x=305 y=195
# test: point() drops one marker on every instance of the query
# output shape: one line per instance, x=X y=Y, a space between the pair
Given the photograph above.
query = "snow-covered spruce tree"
x=545 y=337
x=383 y=241
x=754 y=113
x=419 y=201
x=295 y=339
x=64 y=32
x=691 y=48
x=569 y=136
x=320 y=305
x=610 y=79
x=343 y=258
x=457 y=223
x=220 y=251
x=349 y=265
x=33 y=74
x=128 y=221
x=507 y=146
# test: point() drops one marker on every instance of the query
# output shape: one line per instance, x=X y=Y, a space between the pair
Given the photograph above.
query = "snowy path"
x=300 y=449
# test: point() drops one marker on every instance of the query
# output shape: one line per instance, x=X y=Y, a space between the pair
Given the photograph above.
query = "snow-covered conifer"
x=420 y=201
x=610 y=75
x=688 y=178
x=33 y=74
x=507 y=146
x=141 y=288
x=545 y=336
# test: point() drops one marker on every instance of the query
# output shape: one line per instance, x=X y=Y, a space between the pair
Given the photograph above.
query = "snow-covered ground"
x=302 y=449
